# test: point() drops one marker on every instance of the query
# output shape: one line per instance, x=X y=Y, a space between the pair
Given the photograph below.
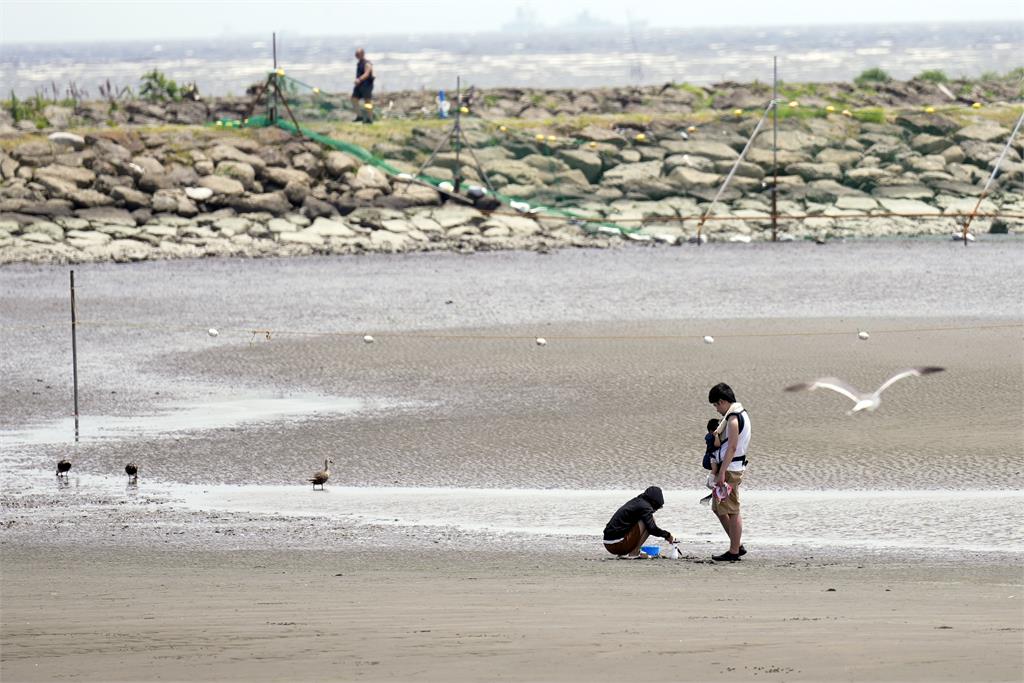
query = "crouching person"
x=632 y=523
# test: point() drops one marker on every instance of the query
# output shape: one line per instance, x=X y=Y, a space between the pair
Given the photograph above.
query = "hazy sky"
x=104 y=20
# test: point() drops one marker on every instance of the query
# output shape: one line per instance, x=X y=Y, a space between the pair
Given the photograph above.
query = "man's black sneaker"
x=743 y=551
x=726 y=557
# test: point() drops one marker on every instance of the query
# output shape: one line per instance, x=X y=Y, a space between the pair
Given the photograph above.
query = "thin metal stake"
x=74 y=349
x=775 y=148
x=457 y=133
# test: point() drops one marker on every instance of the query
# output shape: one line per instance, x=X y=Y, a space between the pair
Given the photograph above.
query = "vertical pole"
x=775 y=147
x=74 y=349
x=272 y=92
x=458 y=131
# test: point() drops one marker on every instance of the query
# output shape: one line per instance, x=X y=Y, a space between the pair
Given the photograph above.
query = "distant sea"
x=545 y=60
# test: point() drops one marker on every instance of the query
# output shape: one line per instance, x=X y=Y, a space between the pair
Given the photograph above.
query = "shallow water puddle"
x=180 y=417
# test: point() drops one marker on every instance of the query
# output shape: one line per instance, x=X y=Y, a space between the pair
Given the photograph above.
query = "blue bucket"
x=652 y=550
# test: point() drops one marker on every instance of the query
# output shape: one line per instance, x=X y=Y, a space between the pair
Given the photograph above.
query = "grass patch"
x=874 y=75
x=932 y=76
x=870 y=115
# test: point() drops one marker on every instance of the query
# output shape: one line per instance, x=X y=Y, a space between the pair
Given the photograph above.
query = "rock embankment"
x=135 y=193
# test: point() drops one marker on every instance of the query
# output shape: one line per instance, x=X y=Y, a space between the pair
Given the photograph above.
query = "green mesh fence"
x=307 y=103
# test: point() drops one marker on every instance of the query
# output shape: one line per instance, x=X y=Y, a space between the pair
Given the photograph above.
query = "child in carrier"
x=709 y=444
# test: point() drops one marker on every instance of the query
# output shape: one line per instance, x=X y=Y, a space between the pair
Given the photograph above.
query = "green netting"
x=305 y=102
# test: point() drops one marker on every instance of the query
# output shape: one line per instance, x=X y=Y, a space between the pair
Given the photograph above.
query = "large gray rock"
x=516 y=171
x=148 y=165
x=982 y=132
x=982 y=154
x=238 y=170
x=89 y=198
x=601 y=135
x=626 y=174
x=794 y=140
x=76 y=175
x=222 y=185
x=56 y=187
x=923 y=122
x=274 y=203
x=223 y=152
x=689 y=161
x=451 y=216
x=866 y=177
x=930 y=144
x=911 y=206
x=301 y=237
x=67 y=139
x=902 y=192
x=811 y=171
x=388 y=241
x=327 y=227
x=54 y=231
x=133 y=199
x=339 y=163
x=107 y=216
x=370 y=178
x=744 y=169
x=283 y=176
x=711 y=150
x=931 y=162
x=689 y=177
x=589 y=163
x=853 y=203
x=199 y=194
x=845 y=158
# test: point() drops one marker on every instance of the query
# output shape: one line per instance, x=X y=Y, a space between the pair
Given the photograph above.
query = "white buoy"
x=541 y=341
x=708 y=339
x=368 y=338
x=212 y=332
x=863 y=335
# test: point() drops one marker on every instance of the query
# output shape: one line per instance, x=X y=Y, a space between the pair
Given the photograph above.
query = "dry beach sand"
x=224 y=565
x=438 y=616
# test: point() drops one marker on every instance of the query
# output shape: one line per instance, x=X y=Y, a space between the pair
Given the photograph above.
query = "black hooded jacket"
x=640 y=508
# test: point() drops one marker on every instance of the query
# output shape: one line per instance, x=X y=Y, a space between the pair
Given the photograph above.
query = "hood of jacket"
x=654 y=496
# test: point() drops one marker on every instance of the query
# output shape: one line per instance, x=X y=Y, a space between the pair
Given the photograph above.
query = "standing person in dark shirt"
x=363 y=90
x=632 y=523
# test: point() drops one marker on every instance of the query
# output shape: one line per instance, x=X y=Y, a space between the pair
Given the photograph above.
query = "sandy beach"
x=458 y=538
x=437 y=616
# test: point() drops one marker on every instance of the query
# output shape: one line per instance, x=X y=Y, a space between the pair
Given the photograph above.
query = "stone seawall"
x=134 y=192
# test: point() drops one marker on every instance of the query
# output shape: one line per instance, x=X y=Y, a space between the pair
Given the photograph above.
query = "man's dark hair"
x=712 y=424
x=721 y=391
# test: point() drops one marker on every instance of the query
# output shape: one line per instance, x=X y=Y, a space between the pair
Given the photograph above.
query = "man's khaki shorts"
x=731 y=505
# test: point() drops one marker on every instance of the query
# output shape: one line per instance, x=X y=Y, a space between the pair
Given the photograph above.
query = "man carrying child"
x=731 y=438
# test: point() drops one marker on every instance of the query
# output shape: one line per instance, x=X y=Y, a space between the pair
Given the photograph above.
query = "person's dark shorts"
x=363 y=91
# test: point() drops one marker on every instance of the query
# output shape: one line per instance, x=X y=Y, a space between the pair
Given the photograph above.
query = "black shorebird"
x=62 y=468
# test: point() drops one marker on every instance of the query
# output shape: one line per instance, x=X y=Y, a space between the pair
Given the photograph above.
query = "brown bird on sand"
x=132 y=470
x=321 y=477
x=62 y=469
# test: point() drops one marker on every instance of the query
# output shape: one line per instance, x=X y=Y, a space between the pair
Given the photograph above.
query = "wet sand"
x=430 y=616
x=104 y=583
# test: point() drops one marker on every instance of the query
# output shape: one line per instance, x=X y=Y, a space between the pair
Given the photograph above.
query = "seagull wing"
x=911 y=372
x=833 y=383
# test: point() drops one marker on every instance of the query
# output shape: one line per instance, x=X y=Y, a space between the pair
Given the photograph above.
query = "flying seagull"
x=862 y=401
